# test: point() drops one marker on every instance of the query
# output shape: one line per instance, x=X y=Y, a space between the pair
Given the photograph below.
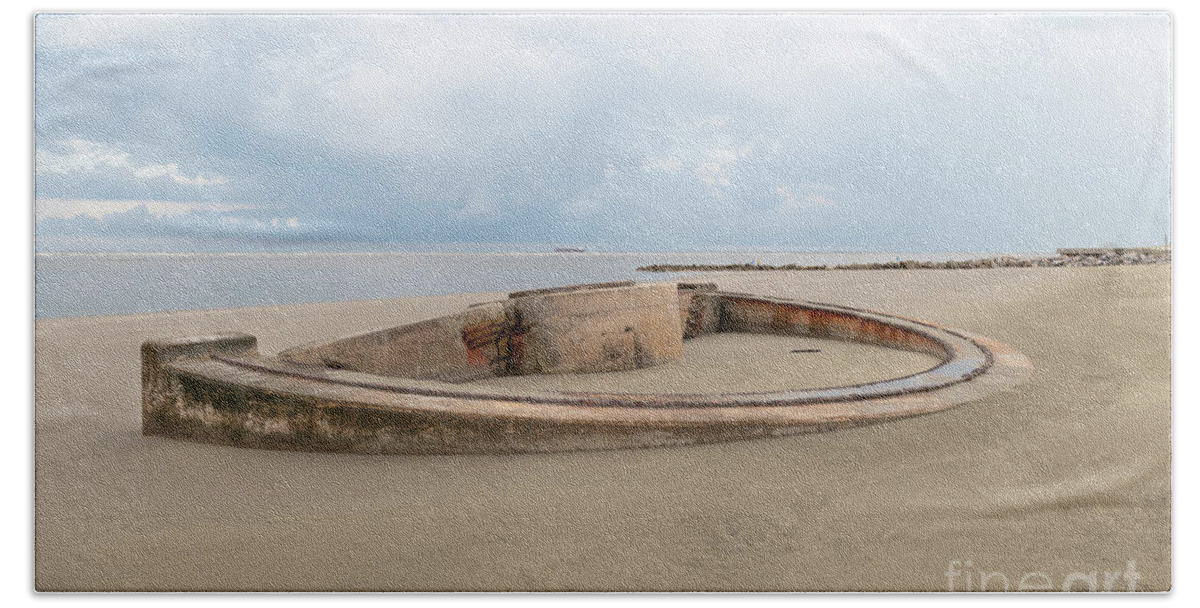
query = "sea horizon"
x=74 y=284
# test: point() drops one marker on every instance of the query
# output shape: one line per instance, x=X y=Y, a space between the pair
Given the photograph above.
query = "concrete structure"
x=593 y=328
x=401 y=390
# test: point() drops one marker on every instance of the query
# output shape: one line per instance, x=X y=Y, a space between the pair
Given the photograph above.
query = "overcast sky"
x=681 y=132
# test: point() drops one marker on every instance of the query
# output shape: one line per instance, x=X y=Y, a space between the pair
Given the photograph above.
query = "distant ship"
x=569 y=250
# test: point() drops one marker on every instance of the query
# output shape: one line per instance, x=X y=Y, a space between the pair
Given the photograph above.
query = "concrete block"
x=447 y=348
x=600 y=330
x=160 y=393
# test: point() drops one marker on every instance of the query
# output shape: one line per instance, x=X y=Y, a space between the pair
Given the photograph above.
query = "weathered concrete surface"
x=162 y=408
x=745 y=313
x=600 y=330
x=699 y=309
x=223 y=395
x=577 y=329
x=461 y=347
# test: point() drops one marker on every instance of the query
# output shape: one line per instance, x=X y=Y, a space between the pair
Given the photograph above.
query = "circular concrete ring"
x=218 y=389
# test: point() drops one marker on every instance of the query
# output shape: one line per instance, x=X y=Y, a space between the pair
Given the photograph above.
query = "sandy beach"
x=1069 y=473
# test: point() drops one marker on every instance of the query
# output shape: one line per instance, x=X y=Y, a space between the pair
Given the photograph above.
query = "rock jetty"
x=1117 y=256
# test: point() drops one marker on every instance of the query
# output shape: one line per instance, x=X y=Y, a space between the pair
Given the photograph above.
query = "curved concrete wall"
x=600 y=330
x=476 y=343
x=218 y=389
x=587 y=328
x=750 y=314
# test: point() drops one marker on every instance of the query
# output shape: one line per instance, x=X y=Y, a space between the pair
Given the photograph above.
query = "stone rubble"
x=1069 y=258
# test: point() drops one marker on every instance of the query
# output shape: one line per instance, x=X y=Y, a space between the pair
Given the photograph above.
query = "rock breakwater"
x=1064 y=257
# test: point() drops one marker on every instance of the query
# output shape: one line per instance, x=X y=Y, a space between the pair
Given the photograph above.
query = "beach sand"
x=1071 y=472
x=739 y=363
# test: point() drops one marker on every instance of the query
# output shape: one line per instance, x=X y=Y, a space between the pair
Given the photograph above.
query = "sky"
x=851 y=132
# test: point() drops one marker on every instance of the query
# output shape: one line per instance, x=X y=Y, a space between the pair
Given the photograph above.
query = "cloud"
x=478 y=206
x=806 y=197
x=81 y=156
x=64 y=224
x=103 y=32
x=664 y=164
x=99 y=209
x=172 y=170
x=977 y=131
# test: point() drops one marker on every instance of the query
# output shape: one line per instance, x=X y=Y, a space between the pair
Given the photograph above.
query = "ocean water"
x=85 y=284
